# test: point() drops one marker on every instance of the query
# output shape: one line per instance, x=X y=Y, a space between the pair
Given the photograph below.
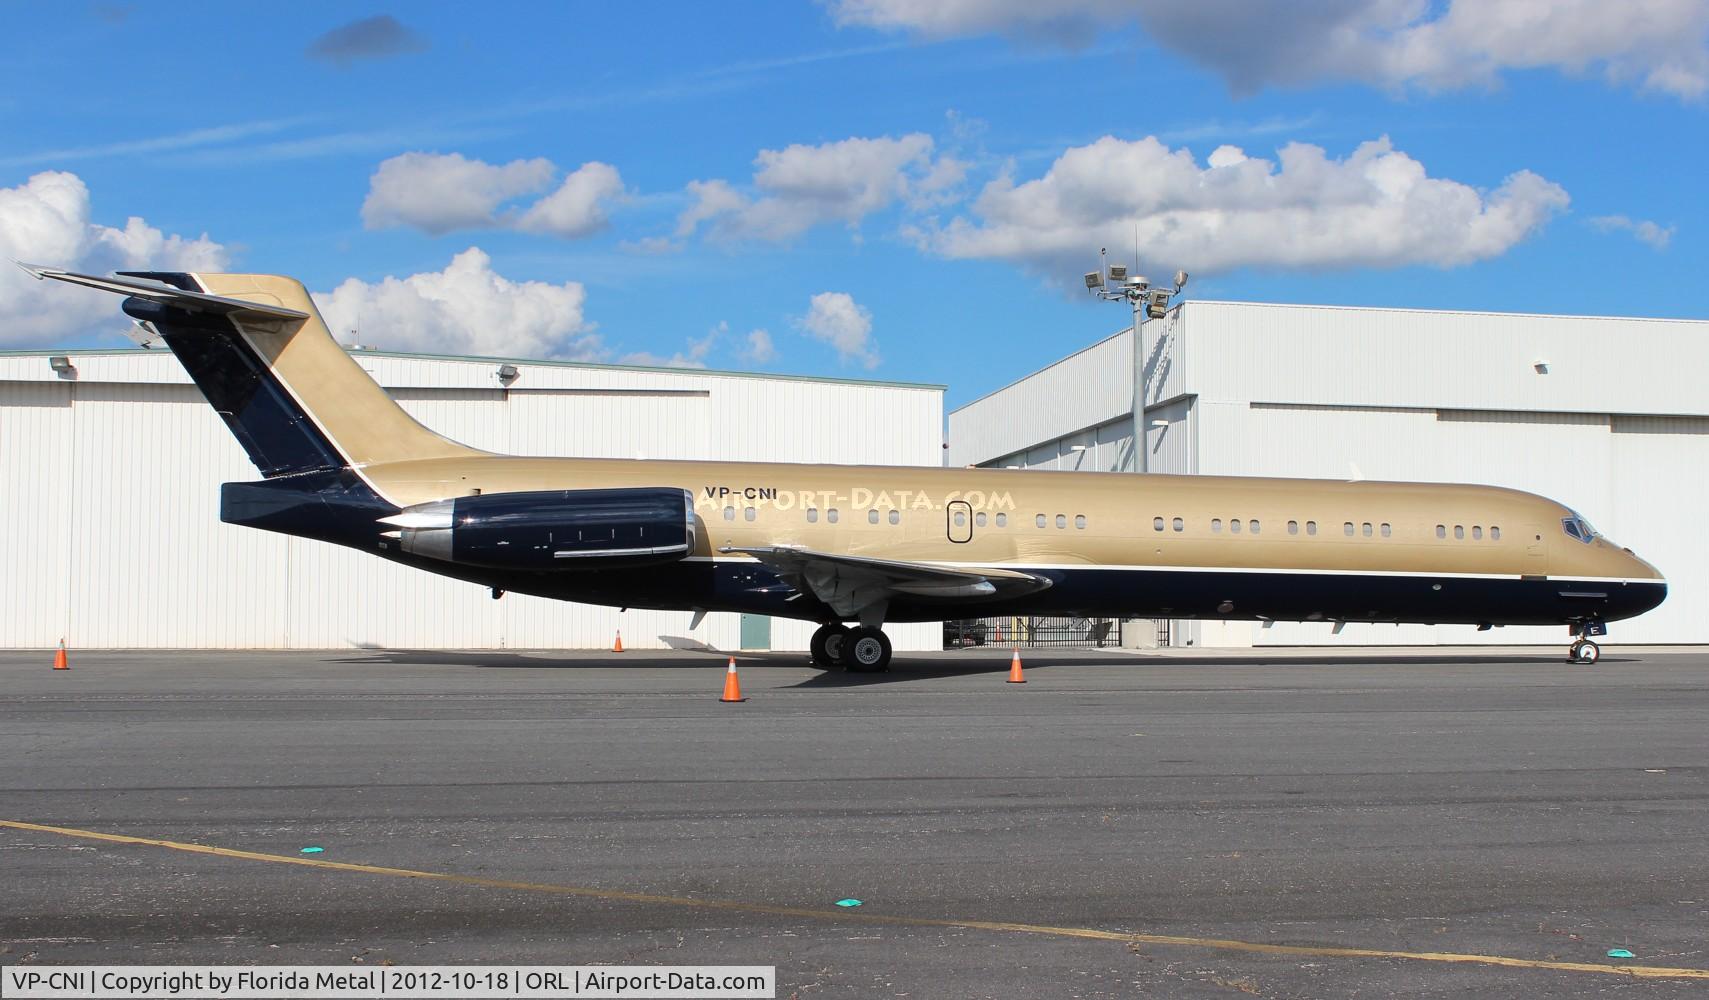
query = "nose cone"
x=1644 y=587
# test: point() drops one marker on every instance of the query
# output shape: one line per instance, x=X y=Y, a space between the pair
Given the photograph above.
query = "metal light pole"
x=1147 y=302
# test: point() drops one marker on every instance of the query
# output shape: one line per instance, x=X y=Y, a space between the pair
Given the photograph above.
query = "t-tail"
x=305 y=412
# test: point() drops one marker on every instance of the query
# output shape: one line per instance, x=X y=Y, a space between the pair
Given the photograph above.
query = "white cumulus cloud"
x=802 y=186
x=1643 y=230
x=837 y=319
x=1376 y=207
x=467 y=308
x=577 y=208
x=46 y=220
x=759 y=349
x=438 y=193
x=1661 y=45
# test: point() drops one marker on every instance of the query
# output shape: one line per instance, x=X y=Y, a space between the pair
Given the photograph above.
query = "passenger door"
x=959 y=521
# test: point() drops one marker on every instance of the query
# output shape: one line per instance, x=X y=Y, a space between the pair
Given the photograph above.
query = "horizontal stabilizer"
x=165 y=294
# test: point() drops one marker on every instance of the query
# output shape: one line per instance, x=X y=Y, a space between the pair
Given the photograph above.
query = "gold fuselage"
x=1105 y=519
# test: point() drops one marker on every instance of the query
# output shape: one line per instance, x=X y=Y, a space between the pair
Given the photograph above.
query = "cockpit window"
x=1577 y=527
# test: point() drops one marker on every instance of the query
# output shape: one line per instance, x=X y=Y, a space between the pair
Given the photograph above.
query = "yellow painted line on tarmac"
x=729 y=905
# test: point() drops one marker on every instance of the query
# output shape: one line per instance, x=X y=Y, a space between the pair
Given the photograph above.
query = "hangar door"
x=1660 y=469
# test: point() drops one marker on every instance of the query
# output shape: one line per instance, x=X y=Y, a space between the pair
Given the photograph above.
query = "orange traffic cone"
x=1015 y=668
x=732 y=685
x=59 y=658
x=617 y=647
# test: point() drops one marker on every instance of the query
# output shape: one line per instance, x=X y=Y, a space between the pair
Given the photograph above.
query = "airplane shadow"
x=904 y=668
x=543 y=659
x=902 y=671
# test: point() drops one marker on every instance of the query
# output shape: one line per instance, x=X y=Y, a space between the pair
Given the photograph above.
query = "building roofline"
x=1307 y=305
x=490 y=359
x=1447 y=312
x=1040 y=371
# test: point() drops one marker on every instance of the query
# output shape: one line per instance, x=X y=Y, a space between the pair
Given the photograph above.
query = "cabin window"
x=1157 y=524
x=1459 y=531
x=1311 y=527
x=1061 y=521
x=1040 y=520
x=1347 y=529
x=1494 y=533
x=831 y=515
x=729 y=513
x=812 y=515
x=1080 y=522
x=1002 y=519
x=1216 y=524
x=1234 y=525
x=1441 y=531
x=1253 y=526
x=979 y=519
x=1477 y=533
x=1384 y=529
x=895 y=517
x=1293 y=527
x=961 y=519
x=1179 y=525
x=748 y=514
x=872 y=517
x=1366 y=529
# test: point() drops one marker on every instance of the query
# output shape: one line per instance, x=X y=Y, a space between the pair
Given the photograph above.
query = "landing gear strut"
x=829 y=644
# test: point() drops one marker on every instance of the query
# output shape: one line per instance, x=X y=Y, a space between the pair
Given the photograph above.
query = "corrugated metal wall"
x=1082 y=391
x=111 y=486
x=1603 y=414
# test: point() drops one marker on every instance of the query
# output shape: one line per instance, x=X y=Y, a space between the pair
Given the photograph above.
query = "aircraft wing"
x=852 y=584
x=164 y=294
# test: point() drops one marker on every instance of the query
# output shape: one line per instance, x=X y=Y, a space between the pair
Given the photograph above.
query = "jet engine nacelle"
x=552 y=529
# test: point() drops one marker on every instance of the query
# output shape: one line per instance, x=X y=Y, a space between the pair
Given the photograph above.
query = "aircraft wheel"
x=867 y=651
x=829 y=643
x=1586 y=652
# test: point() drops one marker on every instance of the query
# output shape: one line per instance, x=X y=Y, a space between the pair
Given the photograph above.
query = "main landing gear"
x=861 y=650
x=1583 y=650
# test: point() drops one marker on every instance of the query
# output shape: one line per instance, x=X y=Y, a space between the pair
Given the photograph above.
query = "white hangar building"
x=1607 y=415
x=110 y=474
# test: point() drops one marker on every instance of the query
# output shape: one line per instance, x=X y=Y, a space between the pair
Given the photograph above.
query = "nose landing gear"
x=1583 y=650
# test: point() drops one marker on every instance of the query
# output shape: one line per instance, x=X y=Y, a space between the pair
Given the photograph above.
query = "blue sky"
x=883 y=189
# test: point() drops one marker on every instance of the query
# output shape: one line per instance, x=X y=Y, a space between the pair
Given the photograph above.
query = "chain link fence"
x=1032 y=632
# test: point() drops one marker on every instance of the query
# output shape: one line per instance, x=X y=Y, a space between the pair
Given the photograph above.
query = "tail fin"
x=257 y=348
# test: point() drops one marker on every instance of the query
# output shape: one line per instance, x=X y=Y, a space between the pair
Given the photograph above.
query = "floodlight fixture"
x=62 y=366
x=1160 y=422
x=1180 y=280
x=1118 y=273
x=1094 y=280
x=507 y=374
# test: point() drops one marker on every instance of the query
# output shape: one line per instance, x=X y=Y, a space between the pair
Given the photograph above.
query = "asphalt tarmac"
x=1119 y=825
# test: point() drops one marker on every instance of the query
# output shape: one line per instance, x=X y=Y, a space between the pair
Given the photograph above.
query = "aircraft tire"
x=1586 y=652
x=866 y=651
x=828 y=644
